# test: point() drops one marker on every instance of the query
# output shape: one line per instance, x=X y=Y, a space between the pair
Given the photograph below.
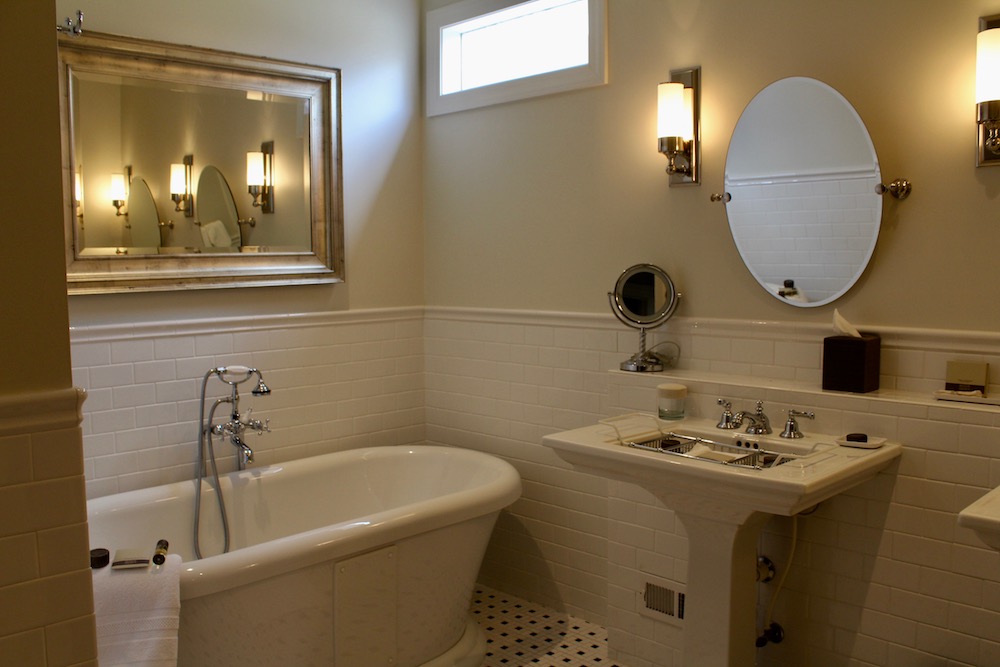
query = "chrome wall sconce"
x=988 y=90
x=260 y=176
x=678 y=125
x=119 y=192
x=181 y=191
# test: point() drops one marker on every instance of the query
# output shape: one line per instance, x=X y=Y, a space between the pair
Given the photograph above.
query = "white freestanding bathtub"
x=360 y=558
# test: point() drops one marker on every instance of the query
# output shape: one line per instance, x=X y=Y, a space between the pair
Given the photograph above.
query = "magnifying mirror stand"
x=642 y=361
x=644 y=298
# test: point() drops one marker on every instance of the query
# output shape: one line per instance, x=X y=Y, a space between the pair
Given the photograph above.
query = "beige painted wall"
x=46 y=591
x=376 y=44
x=540 y=204
x=34 y=347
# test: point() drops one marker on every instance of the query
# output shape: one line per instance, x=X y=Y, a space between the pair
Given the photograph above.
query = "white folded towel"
x=138 y=614
x=214 y=235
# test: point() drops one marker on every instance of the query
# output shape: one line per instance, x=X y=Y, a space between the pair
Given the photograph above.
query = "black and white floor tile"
x=524 y=634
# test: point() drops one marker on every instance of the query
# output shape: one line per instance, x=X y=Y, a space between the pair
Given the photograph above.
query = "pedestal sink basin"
x=723 y=485
x=983 y=516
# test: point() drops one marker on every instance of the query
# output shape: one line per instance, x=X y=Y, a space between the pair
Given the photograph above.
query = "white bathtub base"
x=398 y=606
x=470 y=651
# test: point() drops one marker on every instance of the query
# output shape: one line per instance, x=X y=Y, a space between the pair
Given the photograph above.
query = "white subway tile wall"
x=882 y=574
x=46 y=608
x=338 y=382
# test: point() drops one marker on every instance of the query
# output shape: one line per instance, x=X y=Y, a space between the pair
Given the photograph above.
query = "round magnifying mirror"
x=802 y=174
x=644 y=298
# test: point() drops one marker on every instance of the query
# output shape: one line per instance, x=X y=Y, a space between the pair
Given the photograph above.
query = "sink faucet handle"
x=792 y=426
x=727 y=421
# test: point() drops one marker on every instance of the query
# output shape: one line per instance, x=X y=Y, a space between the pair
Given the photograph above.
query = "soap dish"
x=873 y=443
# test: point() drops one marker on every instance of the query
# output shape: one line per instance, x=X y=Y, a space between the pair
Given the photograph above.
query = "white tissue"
x=842 y=326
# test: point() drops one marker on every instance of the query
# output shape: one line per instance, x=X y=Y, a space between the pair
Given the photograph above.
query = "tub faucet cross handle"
x=257 y=425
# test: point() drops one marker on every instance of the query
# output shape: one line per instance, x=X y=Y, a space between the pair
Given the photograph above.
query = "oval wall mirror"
x=644 y=298
x=219 y=222
x=143 y=218
x=802 y=174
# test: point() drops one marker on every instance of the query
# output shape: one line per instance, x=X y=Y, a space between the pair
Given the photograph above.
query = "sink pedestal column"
x=721 y=604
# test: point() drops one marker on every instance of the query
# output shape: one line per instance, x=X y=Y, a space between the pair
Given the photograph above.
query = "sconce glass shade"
x=988 y=66
x=178 y=179
x=118 y=187
x=671 y=119
x=255 y=168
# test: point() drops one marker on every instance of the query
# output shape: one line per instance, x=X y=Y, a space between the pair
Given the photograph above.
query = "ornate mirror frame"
x=253 y=266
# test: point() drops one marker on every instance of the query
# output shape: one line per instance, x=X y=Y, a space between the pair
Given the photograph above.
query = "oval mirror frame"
x=801 y=175
x=644 y=298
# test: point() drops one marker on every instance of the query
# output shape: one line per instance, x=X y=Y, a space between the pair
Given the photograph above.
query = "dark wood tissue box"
x=852 y=364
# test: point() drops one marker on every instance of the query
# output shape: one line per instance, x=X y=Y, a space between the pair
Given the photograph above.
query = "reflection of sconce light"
x=260 y=176
x=118 y=193
x=180 y=186
x=988 y=90
x=678 y=125
x=78 y=195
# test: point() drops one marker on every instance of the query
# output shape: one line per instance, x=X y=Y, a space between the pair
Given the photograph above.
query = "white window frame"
x=594 y=73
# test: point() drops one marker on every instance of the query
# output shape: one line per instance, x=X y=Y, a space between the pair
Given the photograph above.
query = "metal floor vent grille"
x=664 y=600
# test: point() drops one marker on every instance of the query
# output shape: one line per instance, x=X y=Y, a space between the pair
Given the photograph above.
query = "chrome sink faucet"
x=758 y=424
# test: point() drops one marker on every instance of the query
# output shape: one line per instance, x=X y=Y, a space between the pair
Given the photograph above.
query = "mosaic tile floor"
x=524 y=634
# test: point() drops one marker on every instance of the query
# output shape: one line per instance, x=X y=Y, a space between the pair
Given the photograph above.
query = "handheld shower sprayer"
x=232 y=430
x=230 y=375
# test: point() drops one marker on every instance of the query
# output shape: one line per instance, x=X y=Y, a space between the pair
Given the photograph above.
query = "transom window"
x=482 y=52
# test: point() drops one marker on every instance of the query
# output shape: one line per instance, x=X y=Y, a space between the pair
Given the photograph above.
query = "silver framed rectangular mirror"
x=190 y=168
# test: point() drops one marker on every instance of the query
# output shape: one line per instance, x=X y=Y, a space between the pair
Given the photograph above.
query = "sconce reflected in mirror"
x=119 y=194
x=180 y=186
x=678 y=125
x=260 y=176
x=78 y=196
x=988 y=90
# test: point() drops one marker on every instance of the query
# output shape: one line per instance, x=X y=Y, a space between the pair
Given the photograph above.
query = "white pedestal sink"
x=723 y=500
x=983 y=516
